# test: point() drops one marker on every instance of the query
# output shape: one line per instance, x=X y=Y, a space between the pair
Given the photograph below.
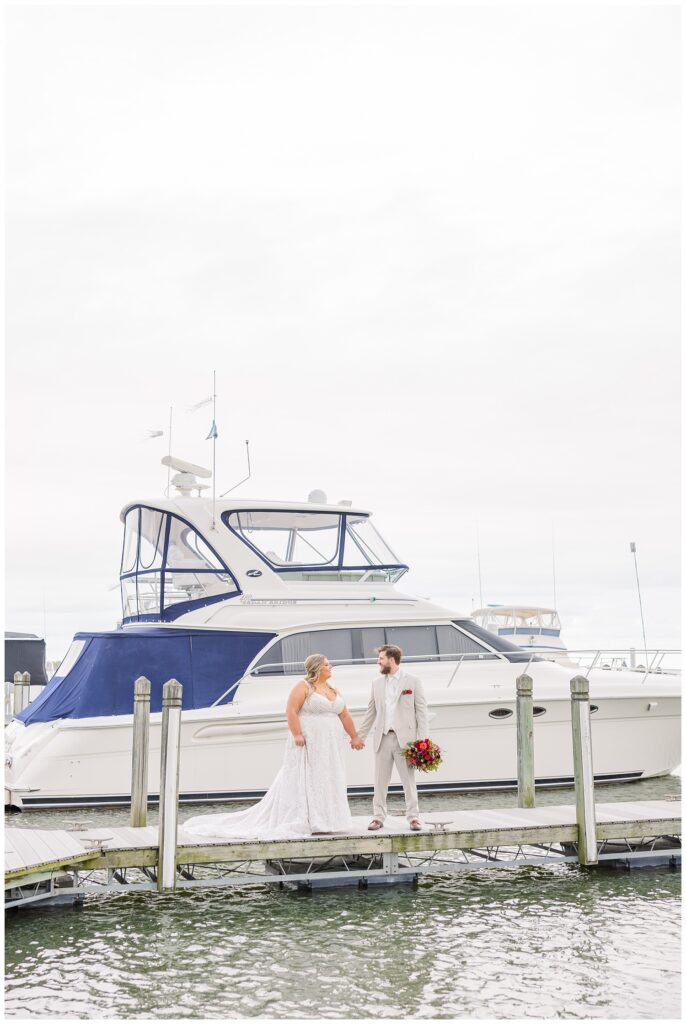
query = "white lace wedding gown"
x=309 y=793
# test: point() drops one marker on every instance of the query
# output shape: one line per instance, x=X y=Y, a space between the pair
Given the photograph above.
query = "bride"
x=309 y=793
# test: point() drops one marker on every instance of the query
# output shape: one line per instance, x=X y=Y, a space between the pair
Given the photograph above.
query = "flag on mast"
x=214 y=433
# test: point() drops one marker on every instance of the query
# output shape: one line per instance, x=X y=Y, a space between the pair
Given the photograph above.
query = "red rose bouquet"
x=424 y=755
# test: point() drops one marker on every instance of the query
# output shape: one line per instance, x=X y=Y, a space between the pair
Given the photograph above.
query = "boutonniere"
x=406 y=693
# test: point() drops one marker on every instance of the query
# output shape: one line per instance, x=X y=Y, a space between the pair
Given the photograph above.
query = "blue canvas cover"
x=206 y=662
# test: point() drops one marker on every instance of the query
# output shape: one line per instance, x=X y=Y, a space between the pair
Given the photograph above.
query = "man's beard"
x=386 y=670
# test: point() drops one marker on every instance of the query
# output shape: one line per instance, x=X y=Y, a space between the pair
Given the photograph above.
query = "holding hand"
x=356 y=743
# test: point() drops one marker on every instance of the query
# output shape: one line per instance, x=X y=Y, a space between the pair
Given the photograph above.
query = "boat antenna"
x=171 y=414
x=632 y=548
x=554 y=579
x=213 y=434
x=247 y=454
x=478 y=562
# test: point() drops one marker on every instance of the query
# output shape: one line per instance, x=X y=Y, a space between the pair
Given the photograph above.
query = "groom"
x=398 y=707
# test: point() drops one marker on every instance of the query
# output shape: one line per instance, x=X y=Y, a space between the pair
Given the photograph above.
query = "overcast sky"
x=431 y=252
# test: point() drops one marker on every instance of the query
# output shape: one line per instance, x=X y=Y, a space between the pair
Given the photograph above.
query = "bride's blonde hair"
x=313 y=666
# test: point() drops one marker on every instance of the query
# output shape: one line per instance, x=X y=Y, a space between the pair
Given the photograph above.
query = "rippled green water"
x=532 y=942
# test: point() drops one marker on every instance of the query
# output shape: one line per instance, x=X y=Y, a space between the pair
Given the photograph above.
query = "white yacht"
x=528 y=627
x=229 y=598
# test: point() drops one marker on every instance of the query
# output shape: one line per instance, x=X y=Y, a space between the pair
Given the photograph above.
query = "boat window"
x=452 y=641
x=151 y=538
x=141 y=595
x=70 y=658
x=290 y=538
x=358 y=646
x=364 y=545
x=417 y=642
x=131 y=532
x=336 y=644
x=368 y=640
x=167 y=567
x=188 y=550
x=509 y=650
x=287 y=656
x=317 y=545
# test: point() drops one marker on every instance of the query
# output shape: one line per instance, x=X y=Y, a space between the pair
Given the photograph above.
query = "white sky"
x=432 y=253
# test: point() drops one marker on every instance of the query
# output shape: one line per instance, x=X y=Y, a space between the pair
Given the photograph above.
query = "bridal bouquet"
x=424 y=755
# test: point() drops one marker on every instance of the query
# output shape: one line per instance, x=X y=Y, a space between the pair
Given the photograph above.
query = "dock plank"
x=638 y=811
x=27 y=847
x=32 y=849
x=27 y=850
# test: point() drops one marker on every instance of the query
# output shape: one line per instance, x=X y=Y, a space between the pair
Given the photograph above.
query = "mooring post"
x=525 y=742
x=141 y=739
x=26 y=683
x=17 y=694
x=583 y=771
x=169 y=784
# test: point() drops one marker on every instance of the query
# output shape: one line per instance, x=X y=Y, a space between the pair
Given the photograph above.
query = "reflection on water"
x=532 y=942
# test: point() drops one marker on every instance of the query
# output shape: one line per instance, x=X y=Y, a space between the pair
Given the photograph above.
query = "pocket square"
x=405 y=693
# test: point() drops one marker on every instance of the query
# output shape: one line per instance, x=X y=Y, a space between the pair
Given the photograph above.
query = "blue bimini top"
x=101 y=680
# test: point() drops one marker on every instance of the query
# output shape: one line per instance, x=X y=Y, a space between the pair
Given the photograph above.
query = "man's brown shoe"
x=415 y=825
x=375 y=825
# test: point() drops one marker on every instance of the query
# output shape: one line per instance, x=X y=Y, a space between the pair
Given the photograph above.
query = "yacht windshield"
x=168 y=568
x=364 y=544
x=317 y=545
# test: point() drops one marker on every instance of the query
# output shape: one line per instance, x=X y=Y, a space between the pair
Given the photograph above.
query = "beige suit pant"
x=388 y=754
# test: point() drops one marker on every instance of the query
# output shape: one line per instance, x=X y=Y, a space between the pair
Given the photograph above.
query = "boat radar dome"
x=317 y=497
x=185 y=479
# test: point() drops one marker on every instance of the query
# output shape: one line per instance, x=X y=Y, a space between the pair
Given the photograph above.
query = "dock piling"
x=172 y=692
x=141 y=742
x=21 y=693
x=17 y=694
x=525 y=742
x=26 y=686
x=583 y=771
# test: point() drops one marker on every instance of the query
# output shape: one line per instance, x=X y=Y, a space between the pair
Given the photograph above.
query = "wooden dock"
x=66 y=866
x=49 y=865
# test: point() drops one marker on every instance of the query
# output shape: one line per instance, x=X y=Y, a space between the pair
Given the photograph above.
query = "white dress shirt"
x=392 y=693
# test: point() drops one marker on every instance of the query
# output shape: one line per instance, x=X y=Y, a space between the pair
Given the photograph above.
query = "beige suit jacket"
x=410 y=720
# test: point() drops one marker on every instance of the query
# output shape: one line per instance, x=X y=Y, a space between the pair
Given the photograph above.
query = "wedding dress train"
x=309 y=793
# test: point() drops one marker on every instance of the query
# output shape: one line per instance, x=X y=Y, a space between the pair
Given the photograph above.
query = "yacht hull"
x=230 y=597
x=234 y=752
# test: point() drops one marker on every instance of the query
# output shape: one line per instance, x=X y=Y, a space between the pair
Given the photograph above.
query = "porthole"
x=539 y=711
x=594 y=707
x=501 y=713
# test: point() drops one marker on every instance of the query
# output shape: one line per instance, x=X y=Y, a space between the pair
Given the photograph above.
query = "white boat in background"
x=530 y=627
x=230 y=597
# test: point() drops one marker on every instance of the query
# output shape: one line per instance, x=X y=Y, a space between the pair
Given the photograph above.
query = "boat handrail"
x=595 y=654
x=282 y=666
x=658 y=653
x=617 y=659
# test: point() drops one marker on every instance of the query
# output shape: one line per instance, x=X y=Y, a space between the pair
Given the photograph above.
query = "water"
x=531 y=942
